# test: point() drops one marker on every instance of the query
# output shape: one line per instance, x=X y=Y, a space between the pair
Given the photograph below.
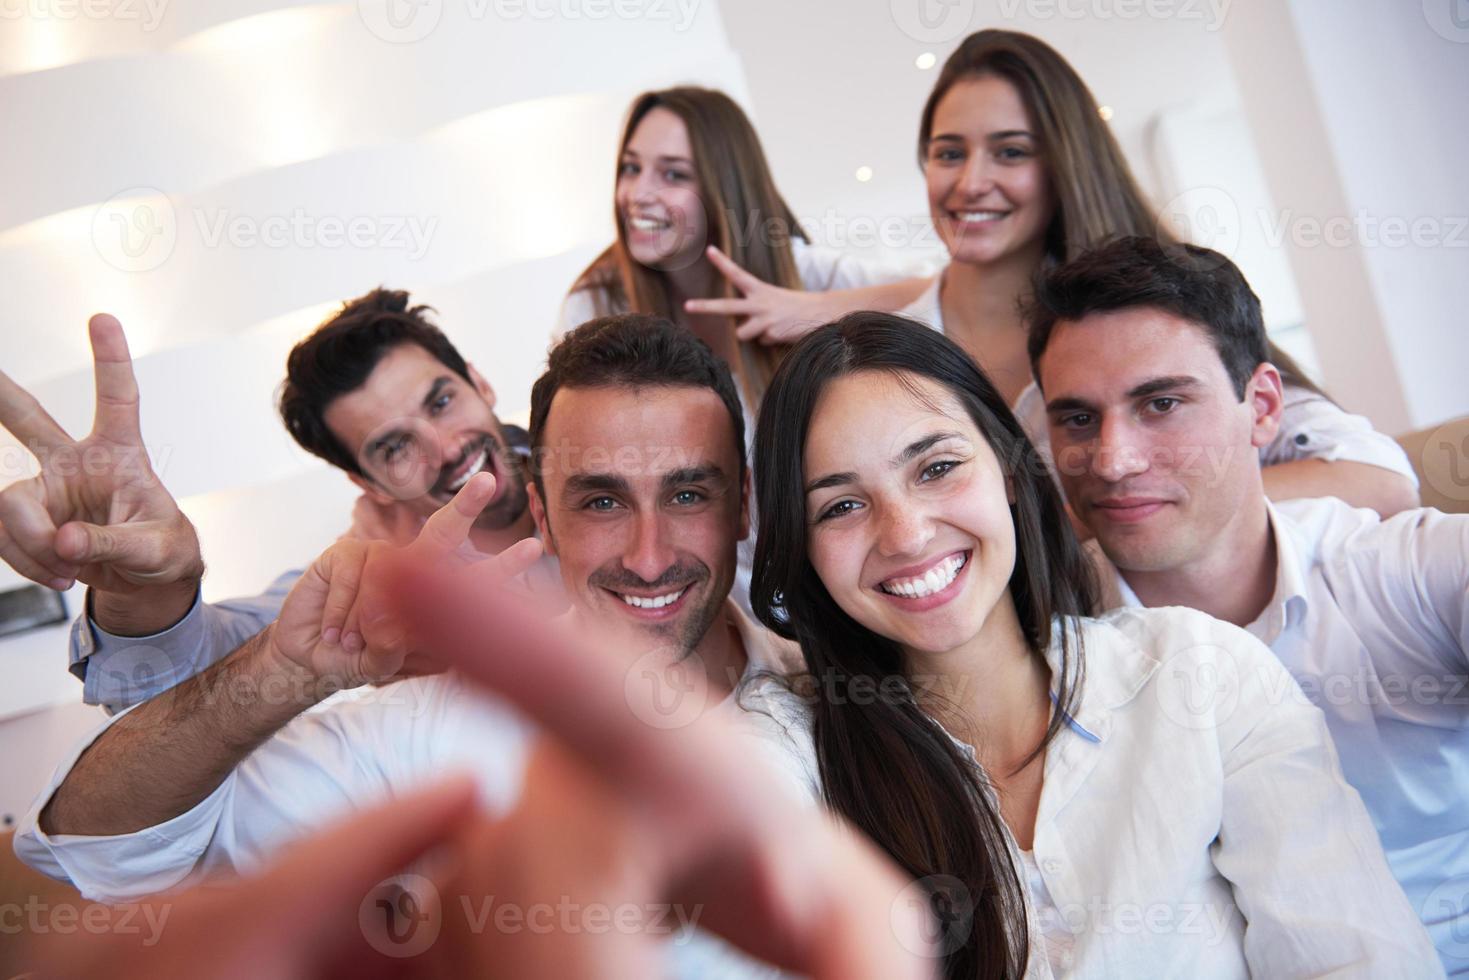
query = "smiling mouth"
x=935 y=580
x=978 y=217
x=648 y=224
x=654 y=601
x=482 y=461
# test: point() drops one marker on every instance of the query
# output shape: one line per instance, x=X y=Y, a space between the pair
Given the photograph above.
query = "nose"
x=1117 y=453
x=648 y=554
x=903 y=531
x=977 y=179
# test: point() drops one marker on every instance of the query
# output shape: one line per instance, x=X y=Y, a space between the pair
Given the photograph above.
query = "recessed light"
x=926 y=60
x=864 y=174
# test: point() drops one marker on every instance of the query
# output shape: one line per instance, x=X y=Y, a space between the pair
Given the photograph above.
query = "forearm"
x=1359 y=484
x=886 y=297
x=163 y=758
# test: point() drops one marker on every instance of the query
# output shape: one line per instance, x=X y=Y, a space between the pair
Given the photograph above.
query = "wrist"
x=143 y=612
x=278 y=677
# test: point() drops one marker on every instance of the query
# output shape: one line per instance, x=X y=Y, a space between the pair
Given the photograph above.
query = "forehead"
x=395 y=388
x=978 y=105
x=660 y=133
x=637 y=432
x=1106 y=354
x=869 y=417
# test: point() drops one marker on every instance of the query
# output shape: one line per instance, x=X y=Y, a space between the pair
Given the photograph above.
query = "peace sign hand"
x=772 y=314
x=96 y=513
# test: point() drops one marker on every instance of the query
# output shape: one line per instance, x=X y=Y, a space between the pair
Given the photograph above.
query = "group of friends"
x=1036 y=619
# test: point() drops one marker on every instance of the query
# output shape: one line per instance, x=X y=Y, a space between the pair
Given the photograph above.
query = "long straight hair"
x=748 y=220
x=885 y=763
x=1097 y=197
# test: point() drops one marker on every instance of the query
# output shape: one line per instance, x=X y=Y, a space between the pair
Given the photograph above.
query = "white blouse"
x=1192 y=821
x=1311 y=425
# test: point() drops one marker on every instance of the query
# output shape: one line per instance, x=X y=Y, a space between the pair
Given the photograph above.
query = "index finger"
x=450 y=524
x=24 y=417
x=117 y=388
x=742 y=280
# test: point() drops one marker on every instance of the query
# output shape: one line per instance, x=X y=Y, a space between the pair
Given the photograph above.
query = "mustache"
x=619 y=579
x=486 y=441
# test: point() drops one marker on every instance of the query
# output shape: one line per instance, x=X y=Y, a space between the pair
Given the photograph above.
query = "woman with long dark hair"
x=913 y=543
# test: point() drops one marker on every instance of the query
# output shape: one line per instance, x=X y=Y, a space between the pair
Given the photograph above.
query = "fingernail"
x=331 y=636
x=60 y=584
x=352 y=642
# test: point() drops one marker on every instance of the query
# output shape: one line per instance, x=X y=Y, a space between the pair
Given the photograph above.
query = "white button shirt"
x=343 y=755
x=1371 y=617
x=1311 y=425
x=1187 y=826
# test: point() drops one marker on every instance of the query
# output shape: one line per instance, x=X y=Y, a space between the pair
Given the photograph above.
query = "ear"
x=372 y=491
x=481 y=385
x=538 y=514
x=1265 y=394
x=745 y=506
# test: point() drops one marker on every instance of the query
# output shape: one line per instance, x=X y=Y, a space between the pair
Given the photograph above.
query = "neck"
x=986 y=298
x=1232 y=582
x=492 y=542
x=994 y=690
x=722 y=652
x=697 y=281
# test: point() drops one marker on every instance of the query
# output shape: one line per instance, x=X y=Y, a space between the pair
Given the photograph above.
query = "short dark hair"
x=633 y=350
x=338 y=356
x=1194 y=283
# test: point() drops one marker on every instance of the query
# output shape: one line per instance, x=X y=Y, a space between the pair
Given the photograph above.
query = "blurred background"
x=220 y=175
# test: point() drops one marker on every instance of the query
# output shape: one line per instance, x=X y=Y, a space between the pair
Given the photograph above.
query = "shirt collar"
x=1287 y=606
x=1114 y=671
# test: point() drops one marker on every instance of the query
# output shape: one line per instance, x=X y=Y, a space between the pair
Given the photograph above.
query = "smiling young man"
x=1152 y=363
x=641 y=491
x=379 y=392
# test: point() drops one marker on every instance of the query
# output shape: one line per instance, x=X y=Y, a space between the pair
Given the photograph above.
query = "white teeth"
x=936 y=579
x=653 y=602
x=647 y=224
x=981 y=215
x=477 y=466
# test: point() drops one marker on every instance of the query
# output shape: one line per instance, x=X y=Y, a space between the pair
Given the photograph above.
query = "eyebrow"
x=589 y=482
x=1147 y=389
x=703 y=473
x=665 y=158
x=913 y=450
x=1003 y=134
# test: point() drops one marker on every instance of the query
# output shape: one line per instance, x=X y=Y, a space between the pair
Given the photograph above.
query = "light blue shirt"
x=1371 y=617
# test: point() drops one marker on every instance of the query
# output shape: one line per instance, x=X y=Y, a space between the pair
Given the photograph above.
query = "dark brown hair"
x=885 y=763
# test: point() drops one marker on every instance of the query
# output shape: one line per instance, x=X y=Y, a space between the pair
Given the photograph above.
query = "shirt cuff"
x=120 y=671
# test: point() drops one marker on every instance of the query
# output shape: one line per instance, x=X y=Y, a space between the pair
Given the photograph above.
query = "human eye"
x=675 y=176
x=937 y=470
x=628 y=169
x=440 y=403
x=687 y=498
x=1077 y=421
x=601 y=504
x=1163 y=405
x=395 y=449
x=1013 y=153
x=839 y=509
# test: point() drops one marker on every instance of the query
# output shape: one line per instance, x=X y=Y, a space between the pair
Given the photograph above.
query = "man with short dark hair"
x=377 y=390
x=1158 y=392
x=642 y=493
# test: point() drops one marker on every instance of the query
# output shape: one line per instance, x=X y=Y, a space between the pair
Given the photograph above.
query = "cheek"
x=837 y=559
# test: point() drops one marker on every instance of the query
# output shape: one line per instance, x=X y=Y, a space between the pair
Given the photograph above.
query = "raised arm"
x=97 y=513
x=1359 y=484
x=775 y=315
x=165 y=756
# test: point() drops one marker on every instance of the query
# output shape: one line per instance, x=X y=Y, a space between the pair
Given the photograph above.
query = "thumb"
x=88 y=544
